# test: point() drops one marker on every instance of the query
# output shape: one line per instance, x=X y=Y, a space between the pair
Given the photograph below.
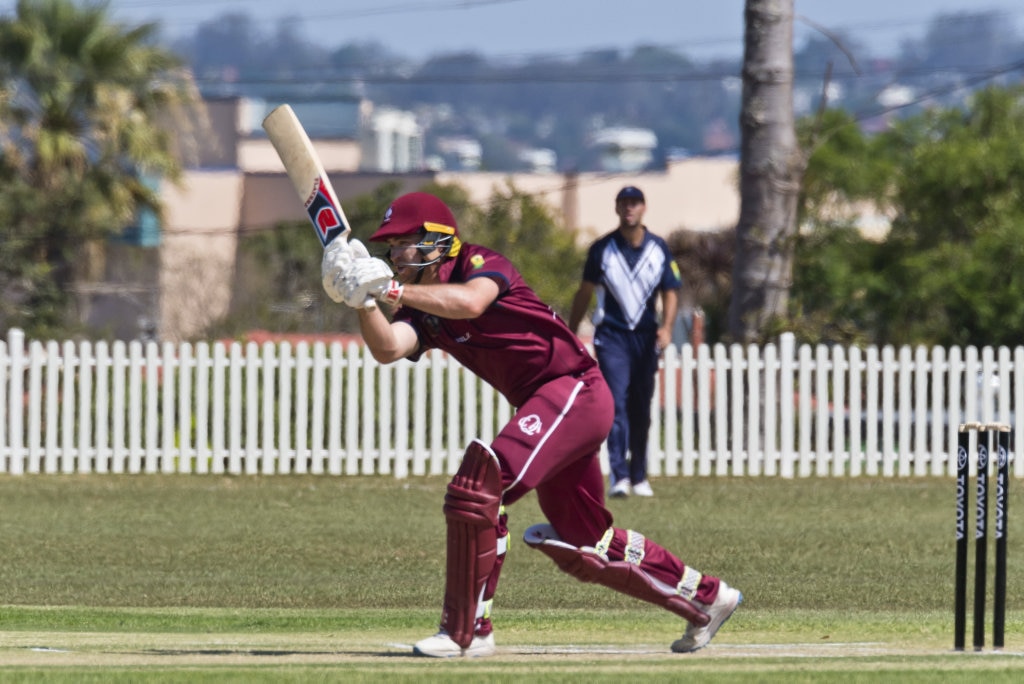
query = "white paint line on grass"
x=725 y=650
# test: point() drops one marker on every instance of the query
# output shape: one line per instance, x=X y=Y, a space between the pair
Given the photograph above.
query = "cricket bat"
x=307 y=174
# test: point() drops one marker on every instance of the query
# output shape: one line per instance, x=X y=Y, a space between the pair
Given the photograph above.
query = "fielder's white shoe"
x=441 y=646
x=620 y=489
x=725 y=604
x=643 y=489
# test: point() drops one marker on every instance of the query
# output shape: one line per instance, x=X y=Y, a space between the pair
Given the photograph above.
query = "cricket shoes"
x=441 y=646
x=720 y=610
x=643 y=489
x=620 y=489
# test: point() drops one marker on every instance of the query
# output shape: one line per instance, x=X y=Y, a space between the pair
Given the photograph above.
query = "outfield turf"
x=298 y=578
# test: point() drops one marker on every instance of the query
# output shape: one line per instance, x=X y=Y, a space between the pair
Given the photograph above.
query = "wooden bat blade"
x=307 y=174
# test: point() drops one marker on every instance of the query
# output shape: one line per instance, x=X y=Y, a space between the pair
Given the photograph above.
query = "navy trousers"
x=629 y=361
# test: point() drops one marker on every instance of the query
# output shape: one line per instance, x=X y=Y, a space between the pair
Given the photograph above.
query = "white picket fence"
x=777 y=410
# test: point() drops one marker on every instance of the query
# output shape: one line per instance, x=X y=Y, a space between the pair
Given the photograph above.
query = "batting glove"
x=390 y=293
x=336 y=264
x=365 y=280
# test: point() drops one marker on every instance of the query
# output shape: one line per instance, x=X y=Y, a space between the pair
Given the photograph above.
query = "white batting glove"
x=390 y=293
x=338 y=259
x=365 y=279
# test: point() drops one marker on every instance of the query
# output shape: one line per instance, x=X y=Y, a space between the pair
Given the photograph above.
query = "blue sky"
x=700 y=28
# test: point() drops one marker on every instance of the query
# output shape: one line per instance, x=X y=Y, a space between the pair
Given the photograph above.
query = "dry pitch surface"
x=57 y=649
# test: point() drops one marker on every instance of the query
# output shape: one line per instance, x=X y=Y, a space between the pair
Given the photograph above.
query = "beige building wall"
x=210 y=136
x=696 y=194
x=257 y=155
x=269 y=198
x=197 y=251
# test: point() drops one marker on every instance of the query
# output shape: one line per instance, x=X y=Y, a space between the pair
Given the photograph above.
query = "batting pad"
x=471 y=508
x=587 y=565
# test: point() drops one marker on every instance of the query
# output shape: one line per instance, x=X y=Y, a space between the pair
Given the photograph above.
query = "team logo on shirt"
x=530 y=424
x=476 y=260
x=675 y=270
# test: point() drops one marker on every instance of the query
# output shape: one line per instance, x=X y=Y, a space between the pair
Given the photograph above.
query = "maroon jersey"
x=517 y=345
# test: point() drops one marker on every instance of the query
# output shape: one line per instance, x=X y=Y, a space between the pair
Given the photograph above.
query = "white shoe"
x=619 y=490
x=643 y=489
x=441 y=646
x=725 y=604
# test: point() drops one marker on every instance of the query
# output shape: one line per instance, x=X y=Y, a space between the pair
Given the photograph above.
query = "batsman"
x=472 y=303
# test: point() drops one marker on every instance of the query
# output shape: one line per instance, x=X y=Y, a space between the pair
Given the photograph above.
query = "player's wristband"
x=392 y=293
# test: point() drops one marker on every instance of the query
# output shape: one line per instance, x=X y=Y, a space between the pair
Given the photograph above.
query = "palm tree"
x=81 y=105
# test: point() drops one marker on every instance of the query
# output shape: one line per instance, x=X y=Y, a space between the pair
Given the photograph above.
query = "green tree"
x=80 y=111
x=951 y=269
x=957 y=241
x=845 y=167
x=836 y=267
x=522 y=228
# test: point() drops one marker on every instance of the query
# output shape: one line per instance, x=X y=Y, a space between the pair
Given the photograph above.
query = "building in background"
x=539 y=159
x=457 y=153
x=625 y=150
x=391 y=141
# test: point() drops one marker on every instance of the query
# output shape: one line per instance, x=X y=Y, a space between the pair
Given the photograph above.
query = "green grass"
x=300 y=578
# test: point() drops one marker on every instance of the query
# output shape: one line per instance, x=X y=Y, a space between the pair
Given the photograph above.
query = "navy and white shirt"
x=628 y=279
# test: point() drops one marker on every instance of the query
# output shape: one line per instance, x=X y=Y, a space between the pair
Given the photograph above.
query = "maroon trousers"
x=552 y=445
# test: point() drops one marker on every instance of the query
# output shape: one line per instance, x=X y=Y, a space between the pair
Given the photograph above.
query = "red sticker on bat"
x=325 y=216
x=326 y=219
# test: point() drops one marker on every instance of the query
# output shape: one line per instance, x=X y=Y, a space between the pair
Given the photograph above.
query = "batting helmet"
x=423 y=214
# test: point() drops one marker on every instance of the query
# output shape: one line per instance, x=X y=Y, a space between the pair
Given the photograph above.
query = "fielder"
x=471 y=302
x=629 y=269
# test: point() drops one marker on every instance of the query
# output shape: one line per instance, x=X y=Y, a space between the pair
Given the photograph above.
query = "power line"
x=404 y=8
x=969 y=84
x=573 y=78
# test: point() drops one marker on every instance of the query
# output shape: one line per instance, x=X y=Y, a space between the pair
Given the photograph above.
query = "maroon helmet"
x=420 y=213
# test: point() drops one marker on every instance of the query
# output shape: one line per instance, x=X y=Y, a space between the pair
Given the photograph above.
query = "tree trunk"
x=771 y=170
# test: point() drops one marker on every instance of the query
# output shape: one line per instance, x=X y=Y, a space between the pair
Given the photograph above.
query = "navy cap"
x=630 y=192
